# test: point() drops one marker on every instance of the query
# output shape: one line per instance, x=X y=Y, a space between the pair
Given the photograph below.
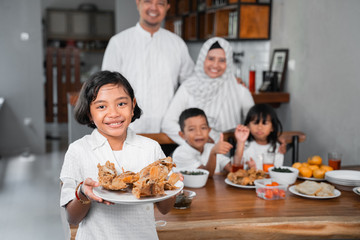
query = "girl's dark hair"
x=188 y=113
x=90 y=90
x=259 y=112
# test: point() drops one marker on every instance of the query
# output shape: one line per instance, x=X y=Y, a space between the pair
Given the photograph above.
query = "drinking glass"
x=237 y=166
x=334 y=160
x=268 y=161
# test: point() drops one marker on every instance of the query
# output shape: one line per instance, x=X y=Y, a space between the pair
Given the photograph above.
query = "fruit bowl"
x=284 y=175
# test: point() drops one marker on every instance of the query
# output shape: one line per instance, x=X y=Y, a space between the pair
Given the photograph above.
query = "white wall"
x=21 y=78
x=126 y=14
x=323 y=37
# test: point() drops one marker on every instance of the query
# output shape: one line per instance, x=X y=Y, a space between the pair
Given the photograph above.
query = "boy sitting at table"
x=197 y=152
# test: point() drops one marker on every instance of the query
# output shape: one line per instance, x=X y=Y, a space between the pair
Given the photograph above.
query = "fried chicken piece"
x=106 y=174
x=153 y=179
x=147 y=188
x=165 y=165
x=245 y=181
x=170 y=183
x=246 y=177
x=109 y=179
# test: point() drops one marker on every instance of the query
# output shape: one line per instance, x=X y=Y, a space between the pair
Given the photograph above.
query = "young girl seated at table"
x=197 y=152
x=259 y=136
x=107 y=104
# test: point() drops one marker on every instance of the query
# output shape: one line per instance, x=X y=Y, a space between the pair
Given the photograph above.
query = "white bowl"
x=286 y=178
x=195 y=181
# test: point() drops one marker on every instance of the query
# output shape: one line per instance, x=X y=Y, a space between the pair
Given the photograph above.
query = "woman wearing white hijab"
x=213 y=88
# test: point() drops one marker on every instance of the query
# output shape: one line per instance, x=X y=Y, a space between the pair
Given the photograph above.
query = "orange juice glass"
x=334 y=160
x=236 y=166
x=268 y=161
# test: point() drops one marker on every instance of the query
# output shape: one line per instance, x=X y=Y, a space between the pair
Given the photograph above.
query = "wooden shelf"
x=231 y=19
x=273 y=98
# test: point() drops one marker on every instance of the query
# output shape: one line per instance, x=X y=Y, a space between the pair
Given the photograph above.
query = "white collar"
x=98 y=140
x=146 y=33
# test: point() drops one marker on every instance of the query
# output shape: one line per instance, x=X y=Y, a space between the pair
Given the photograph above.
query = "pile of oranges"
x=312 y=168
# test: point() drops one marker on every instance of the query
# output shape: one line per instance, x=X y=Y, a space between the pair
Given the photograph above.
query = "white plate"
x=347 y=175
x=343 y=177
x=292 y=189
x=312 y=179
x=126 y=197
x=356 y=190
x=227 y=181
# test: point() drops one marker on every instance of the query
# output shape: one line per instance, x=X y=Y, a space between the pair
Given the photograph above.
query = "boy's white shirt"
x=254 y=150
x=188 y=158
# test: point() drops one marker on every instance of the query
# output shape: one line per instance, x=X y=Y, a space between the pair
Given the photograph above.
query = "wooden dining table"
x=221 y=211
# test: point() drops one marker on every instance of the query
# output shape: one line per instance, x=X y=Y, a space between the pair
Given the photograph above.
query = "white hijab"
x=208 y=92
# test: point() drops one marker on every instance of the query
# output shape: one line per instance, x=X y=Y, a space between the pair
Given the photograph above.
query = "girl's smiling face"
x=112 y=111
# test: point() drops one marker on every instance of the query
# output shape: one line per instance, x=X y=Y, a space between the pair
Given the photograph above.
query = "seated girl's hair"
x=188 y=113
x=89 y=92
x=259 y=112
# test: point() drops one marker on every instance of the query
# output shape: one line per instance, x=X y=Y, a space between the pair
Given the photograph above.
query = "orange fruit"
x=305 y=164
x=319 y=173
x=326 y=168
x=313 y=167
x=315 y=160
x=297 y=165
x=305 y=172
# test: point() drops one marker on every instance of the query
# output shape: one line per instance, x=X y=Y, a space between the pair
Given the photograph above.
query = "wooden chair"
x=62 y=76
x=292 y=140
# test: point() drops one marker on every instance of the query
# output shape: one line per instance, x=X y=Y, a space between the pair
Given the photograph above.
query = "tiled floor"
x=29 y=192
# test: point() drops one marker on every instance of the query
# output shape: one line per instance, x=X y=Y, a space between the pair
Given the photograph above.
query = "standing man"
x=153 y=59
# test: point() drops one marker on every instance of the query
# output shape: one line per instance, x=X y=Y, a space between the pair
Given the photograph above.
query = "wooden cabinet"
x=231 y=19
x=90 y=28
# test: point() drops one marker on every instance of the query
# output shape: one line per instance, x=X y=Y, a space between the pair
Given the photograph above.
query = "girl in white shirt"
x=107 y=104
x=259 y=135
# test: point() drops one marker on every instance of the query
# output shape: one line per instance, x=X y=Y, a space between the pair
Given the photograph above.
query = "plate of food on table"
x=356 y=190
x=315 y=190
x=244 y=178
x=312 y=169
x=153 y=183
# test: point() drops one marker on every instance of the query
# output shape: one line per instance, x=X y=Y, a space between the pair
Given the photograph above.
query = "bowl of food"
x=195 y=178
x=184 y=199
x=268 y=189
x=284 y=175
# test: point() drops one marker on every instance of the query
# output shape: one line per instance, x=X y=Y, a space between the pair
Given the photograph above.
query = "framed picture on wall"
x=279 y=64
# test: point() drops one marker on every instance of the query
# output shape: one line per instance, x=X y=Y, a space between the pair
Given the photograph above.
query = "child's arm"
x=221 y=147
x=77 y=211
x=241 y=134
x=166 y=205
x=282 y=148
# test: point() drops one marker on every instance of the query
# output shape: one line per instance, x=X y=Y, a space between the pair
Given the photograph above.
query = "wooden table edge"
x=281 y=227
